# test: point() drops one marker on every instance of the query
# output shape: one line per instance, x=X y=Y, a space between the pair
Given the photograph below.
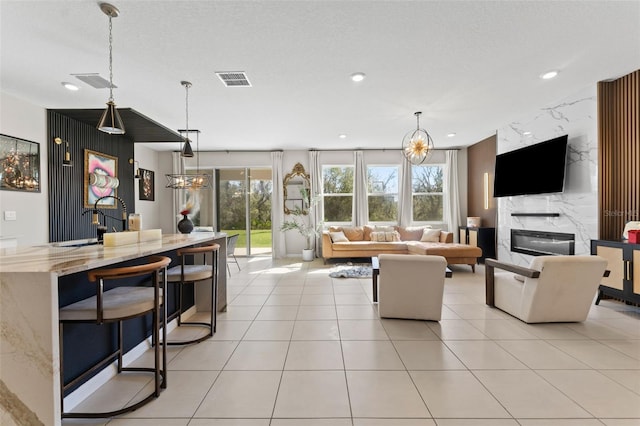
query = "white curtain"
x=177 y=167
x=277 y=202
x=360 y=205
x=404 y=195
x=452 y=193
x=317 y=215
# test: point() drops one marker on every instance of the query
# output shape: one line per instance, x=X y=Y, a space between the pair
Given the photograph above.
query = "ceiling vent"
x=94 y=80
x=233 y=78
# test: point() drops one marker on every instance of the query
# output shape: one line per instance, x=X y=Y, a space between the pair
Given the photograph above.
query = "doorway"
x=243 y=205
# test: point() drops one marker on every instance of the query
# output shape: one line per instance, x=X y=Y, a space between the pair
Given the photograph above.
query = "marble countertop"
x=71 y=256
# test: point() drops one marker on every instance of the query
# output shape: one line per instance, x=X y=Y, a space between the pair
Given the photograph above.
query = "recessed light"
x=70 y=86
x=342 y=136
x=451 y=135
x=526 y=133
x=549 y=75
x=357 y=76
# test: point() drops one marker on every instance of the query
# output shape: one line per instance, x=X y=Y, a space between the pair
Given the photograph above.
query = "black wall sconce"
x=66 y=162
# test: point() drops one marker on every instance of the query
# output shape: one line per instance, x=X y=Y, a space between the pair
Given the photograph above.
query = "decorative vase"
x=307 y=255
x=185 y=226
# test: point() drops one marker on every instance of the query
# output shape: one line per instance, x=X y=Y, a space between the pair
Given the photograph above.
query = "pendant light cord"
x=187 y=107
x=110 y=60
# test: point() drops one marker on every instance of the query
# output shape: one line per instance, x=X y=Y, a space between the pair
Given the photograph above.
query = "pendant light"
x=110 y=122
x=417 y=145
x=184 y=180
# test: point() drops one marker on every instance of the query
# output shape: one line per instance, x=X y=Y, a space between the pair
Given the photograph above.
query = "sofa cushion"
x=430 y=235
x=385 y=236
x=448 y=250
x=411 y=233
x=384 y=228
x=372 y=247
x=353 y=233
x=338 y=237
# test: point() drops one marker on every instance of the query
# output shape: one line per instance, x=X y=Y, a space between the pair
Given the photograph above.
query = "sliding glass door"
x=243 y=205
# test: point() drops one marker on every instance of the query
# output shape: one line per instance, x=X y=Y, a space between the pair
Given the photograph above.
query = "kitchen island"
x=29 y=303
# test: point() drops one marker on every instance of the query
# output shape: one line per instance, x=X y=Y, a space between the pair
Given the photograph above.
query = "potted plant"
x=301 y=222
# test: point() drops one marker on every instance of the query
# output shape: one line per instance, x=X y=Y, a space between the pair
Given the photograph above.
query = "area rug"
x=351 y=271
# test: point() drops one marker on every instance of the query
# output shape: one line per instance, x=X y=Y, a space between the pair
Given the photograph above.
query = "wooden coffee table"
x=375 y=264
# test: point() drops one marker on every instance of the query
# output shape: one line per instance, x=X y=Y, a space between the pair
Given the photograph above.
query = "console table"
x=30 y=357
x=485 y=238
x=623 y=283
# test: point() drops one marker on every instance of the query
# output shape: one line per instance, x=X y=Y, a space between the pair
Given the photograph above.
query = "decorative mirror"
x=296 y=184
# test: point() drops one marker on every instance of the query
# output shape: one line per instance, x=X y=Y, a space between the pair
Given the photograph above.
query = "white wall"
x=24 y=120
x=575 y=116
x=150 y=210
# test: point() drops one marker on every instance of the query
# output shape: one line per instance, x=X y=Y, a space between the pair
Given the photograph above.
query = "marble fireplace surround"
x=574 y=211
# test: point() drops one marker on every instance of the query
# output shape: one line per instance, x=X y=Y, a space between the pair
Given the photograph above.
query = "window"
x=382 y=193
x=427 y=195
x=337 y=193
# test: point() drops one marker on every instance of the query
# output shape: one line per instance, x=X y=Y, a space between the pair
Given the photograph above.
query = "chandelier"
x=417 y=144
x=110 y=122
x=184 y=180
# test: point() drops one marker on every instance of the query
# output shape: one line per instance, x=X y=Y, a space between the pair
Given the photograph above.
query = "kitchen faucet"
x=95 y=212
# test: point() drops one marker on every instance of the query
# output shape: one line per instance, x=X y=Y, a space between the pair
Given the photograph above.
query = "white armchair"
x=411 y=286
x=551 y=289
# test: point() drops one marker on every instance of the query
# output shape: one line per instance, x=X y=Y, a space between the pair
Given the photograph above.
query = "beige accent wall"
x=481 y=159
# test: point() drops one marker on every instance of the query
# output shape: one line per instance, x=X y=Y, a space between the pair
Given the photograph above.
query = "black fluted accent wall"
x=66 y=184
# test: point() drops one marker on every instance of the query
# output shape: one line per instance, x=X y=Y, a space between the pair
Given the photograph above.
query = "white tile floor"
x=298 y=348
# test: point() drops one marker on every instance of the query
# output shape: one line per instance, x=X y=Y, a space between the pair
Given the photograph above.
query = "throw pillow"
x=385 y=236
x=335 y=228
x=377 y=236
x=392 y=236
x=411 y=233
x=338 y=237
x=367 y=232
x=353 y=233
x=430 y=235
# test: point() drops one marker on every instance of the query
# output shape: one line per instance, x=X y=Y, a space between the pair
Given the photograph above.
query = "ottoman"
x=456 y=254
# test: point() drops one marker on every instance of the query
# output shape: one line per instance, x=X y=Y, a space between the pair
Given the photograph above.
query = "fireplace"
x=539 y=243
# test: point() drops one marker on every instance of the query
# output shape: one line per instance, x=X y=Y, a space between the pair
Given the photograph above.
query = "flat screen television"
x=534 y=169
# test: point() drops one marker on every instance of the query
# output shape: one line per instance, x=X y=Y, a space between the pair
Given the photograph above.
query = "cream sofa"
x=359 y=244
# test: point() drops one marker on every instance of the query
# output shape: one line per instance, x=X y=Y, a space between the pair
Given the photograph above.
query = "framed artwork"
x=19 y=164
x=147 y=189
x=100 y=179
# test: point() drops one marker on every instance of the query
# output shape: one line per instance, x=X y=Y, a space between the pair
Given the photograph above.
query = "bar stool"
x=183 y=274
x=116 y=305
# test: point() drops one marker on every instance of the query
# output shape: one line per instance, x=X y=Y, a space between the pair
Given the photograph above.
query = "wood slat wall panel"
x=618 y=154
x=66 y=184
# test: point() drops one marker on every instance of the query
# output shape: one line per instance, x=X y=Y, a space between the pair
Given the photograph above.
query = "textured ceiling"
x=470 y=67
